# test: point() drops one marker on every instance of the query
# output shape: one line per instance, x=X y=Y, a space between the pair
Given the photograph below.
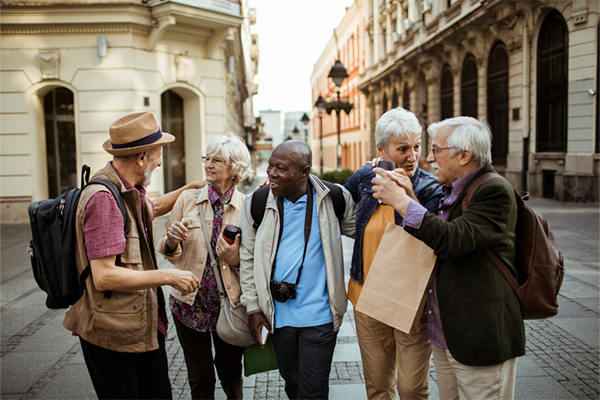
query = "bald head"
x=289 y=169
x=299 y=153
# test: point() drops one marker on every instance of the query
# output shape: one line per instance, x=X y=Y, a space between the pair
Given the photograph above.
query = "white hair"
x=468 y=134
x=234 y=152
x=396 y=122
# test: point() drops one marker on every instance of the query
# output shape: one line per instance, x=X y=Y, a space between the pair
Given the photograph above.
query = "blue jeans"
x=304 y=356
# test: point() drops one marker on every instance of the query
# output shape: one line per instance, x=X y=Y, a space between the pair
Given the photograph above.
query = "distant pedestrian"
x=475 y=322
x=391 y=358
x=292 y=270
x=121 y=319
x=226 y=163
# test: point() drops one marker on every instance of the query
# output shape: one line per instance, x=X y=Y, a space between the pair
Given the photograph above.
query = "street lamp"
x=338 y=74
x=305 y=121
x=320 y=106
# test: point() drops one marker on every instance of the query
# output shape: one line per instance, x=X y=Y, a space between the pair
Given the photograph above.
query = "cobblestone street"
x=41 y=360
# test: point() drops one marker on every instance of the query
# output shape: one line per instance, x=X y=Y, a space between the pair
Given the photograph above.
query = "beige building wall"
x=201 y=55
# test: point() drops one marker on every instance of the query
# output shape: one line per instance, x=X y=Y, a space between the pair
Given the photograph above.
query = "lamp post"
x=305 y=121
x=319 y=104
x=338 y=74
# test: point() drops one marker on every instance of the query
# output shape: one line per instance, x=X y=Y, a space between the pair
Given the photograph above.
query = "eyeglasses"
x=216 y=161
x=435 y=150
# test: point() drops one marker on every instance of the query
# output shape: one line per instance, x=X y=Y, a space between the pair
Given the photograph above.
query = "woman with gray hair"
x=390 y=357
x=226 y=163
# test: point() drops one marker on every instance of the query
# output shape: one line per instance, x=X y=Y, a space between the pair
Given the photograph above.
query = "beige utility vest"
x=123 y=321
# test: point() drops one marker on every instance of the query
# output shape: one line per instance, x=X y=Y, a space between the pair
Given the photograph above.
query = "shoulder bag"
x=232 y=325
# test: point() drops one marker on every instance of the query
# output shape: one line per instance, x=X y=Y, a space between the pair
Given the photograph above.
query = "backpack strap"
x=259 y=202
x=337 y=197
x=465 y=204
x=116 y=193
x=473 y=188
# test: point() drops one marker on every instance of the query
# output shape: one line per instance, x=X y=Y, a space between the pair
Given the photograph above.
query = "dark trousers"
x=118 y=375
x=304 y=356
x=201 y=367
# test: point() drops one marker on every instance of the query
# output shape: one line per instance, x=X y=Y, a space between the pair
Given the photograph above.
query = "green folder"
x=257 y=359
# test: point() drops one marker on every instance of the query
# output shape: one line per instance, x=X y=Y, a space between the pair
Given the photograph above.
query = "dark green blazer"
x=480 y=313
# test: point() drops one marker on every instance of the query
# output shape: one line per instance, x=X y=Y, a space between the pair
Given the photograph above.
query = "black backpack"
x=54 y=240
x=259 y=201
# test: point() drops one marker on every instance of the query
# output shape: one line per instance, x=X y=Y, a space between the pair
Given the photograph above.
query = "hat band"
x=140 y=142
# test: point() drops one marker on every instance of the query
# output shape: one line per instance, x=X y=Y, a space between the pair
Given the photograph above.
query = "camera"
x=282 y=291
x=387 y=165
x=230 y=232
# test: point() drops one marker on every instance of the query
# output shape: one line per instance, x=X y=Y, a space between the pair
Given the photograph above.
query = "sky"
x=292 y=34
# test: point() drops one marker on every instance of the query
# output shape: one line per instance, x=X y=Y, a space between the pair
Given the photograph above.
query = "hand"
x=256 y=321
x=374 y=162
x=389 y=192
x=176 y=233
x=399 y=175
x=264 y=183
x=184 y=281
x=229 y=253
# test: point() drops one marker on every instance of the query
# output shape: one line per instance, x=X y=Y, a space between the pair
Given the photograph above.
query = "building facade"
x=69 y=69
x=529 y=68
x=274 y=125
x=347 y=45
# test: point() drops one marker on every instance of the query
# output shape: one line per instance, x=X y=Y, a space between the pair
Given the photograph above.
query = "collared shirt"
x=311 y=305
x=414 y=217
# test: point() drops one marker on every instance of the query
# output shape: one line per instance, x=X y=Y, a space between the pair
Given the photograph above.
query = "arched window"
x=61 y=151
x=552 y=85
x=468 y=88
x=384 y=104
x=497 y=102
x=406 y=97
x=174 y=153
x=447 y=93
x=395 y=99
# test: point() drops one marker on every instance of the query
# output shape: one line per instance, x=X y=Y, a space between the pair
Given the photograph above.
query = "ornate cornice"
x=53 y=30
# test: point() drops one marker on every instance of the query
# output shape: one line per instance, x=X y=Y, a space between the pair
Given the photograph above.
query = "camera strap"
x=307 y=227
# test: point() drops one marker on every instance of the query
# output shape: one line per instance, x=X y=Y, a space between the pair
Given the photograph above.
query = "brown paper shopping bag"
x=397 y=279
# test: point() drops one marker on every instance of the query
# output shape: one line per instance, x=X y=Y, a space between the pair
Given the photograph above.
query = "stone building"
x=529 y=68
x=347 y=45
x=70 y=68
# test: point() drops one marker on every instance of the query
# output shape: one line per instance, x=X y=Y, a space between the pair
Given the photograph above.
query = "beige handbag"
x=232 y=325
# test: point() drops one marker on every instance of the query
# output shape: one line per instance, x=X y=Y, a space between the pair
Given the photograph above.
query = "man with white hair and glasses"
x=474 y=318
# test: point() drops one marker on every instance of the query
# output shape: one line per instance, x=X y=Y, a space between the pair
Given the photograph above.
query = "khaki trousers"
x=459 y=381
x=392 y=358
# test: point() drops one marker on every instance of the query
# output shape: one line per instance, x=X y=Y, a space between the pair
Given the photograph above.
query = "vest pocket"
x=132 y=254
x=122 y=317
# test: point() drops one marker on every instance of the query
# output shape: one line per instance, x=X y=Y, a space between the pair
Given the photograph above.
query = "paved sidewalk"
x=41 y=360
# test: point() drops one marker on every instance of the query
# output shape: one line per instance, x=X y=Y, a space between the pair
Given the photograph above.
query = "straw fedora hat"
x=135 y=133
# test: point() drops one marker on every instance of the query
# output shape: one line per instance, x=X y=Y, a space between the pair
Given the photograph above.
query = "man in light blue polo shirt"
x=292 y=270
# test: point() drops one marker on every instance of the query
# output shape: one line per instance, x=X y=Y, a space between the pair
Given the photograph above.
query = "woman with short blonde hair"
x=226 y=163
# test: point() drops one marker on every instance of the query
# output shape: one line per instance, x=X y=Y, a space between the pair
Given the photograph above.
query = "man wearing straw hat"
x=121 y=318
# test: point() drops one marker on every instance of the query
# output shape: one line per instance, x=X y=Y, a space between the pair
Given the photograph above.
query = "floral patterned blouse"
x=202 y=316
